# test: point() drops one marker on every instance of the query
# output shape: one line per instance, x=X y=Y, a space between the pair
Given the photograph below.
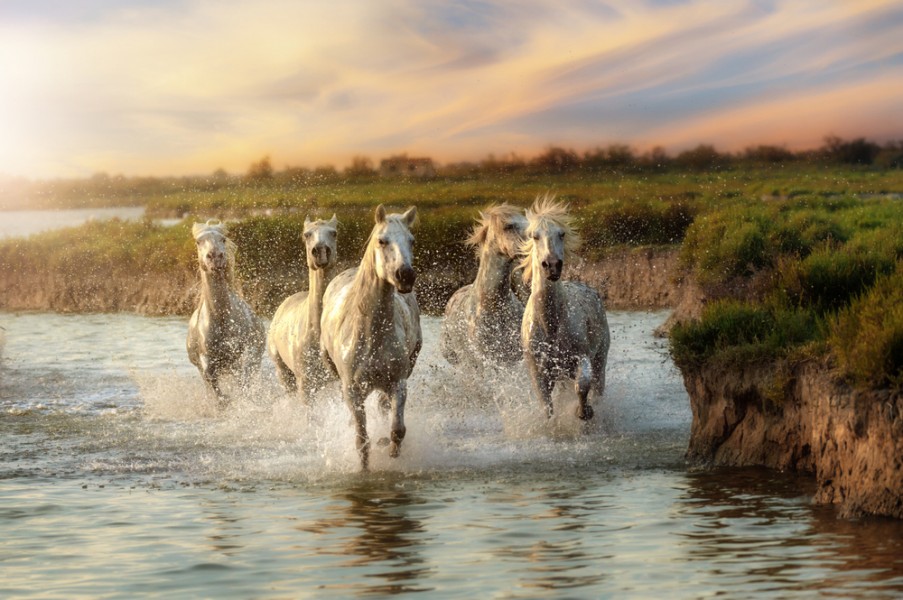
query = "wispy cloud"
x=186 y=86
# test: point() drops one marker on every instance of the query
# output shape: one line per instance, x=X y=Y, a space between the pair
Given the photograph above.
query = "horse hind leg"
x=286 y=376
x=583 y=383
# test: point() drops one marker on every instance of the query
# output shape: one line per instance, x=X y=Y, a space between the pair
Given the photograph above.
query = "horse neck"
x=216 y=293
x=317 y=279
x=493 y=281
x=375 y=309
x=547 y=300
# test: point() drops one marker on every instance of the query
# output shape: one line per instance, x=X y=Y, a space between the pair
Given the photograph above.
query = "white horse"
x=224 y=334
x=294 y=338
x=370 y=329
x=483 y=319
x=564 y=331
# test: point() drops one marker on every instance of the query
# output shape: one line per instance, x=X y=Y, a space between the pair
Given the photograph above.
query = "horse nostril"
x=545 y=264
x=406 y=276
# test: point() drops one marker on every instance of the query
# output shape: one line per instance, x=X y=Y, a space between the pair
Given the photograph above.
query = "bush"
x=638 y=222
x=867 y=337
x=829 y=279
x=732 y=331
x=728 y=244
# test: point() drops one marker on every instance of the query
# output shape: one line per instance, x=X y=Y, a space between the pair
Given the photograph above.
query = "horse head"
x=320 y=242
x=391 y=248
x=549 y=239
x=215 y=250
x=500 y=229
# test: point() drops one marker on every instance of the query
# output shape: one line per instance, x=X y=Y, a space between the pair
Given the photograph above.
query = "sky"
x=179 y=87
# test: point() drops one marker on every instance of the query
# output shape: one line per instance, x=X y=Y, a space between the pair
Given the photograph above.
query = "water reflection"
x=732 y=515
x=548 y=536
x=377 y=535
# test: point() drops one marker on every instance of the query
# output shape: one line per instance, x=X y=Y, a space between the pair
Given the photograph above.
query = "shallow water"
x=117 y=478
x=22 y=223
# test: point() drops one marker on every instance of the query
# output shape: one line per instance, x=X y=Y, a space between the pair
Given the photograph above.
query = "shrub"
x=830 y=278
x=637 y=222
x=727 y=244
x=867 y=336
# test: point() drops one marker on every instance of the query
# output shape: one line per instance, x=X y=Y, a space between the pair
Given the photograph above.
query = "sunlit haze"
x=174 y=87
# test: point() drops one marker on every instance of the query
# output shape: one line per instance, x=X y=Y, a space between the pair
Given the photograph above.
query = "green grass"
x=799 y=259
x=782 y=270
x=867 y=335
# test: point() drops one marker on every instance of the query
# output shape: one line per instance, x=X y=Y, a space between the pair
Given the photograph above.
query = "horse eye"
x=307 y=234
x=561 y=235
x=535 y=236
x=509 y=227
x=383 y=241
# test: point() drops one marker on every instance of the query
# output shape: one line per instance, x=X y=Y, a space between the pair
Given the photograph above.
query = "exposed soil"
x=852 y=440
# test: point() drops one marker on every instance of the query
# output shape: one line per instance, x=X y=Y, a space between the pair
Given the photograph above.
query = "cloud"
x=186 y=86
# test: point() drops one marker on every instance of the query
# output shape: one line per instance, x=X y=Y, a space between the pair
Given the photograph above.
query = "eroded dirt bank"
x=851 y=440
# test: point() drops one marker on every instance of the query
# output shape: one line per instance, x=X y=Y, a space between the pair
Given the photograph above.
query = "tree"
x=557 y=160
x=261 y=170
x=856 y=152
x=361 y=167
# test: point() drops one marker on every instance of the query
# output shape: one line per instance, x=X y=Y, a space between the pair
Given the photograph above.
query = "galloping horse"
x=294 y=338
x=224 y=334
x=482 y=319
x=564 y=331
x=370 y=328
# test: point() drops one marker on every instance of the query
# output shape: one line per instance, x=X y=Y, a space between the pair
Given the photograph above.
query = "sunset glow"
x=145 y=87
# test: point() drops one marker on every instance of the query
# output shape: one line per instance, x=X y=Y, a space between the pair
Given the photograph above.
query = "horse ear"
x=333 y=221
x=306 y=220
x=196 y=229
x=380 y=214
x=410 y=216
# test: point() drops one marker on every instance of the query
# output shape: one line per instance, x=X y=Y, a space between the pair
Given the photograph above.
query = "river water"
x=22 y=223
x=118 y=479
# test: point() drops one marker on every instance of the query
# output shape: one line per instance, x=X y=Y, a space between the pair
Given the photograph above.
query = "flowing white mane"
x=545 y=211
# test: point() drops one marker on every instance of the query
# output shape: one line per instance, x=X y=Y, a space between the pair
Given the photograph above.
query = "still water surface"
x=22 y=223
x=117 y=479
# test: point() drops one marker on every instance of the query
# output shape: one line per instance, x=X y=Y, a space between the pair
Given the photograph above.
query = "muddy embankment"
x=852 y=440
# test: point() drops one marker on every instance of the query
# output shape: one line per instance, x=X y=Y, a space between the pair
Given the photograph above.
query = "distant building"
x=403 y=166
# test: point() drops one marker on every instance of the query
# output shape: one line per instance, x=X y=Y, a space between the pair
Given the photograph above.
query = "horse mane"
x=199 y=230
x=489 y=217
x=546 y=209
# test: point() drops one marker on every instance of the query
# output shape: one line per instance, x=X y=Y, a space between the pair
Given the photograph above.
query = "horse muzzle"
x=216 y=261
x=552 y=269
x=404 y=278
x=322 y=257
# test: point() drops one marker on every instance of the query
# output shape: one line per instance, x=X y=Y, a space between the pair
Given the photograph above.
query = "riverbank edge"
x=851 y=440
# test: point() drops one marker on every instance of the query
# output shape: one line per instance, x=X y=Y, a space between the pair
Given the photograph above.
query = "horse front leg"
x=583 y=382
x=398 y=430
x=210 y=371
x=354 y=398
x=542 y=382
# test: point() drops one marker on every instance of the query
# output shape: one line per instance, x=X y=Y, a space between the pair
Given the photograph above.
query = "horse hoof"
x=586 y=414
x=382 y=442
x=394 y=450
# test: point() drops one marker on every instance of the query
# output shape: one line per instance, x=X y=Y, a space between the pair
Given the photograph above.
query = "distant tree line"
x=101 y=188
